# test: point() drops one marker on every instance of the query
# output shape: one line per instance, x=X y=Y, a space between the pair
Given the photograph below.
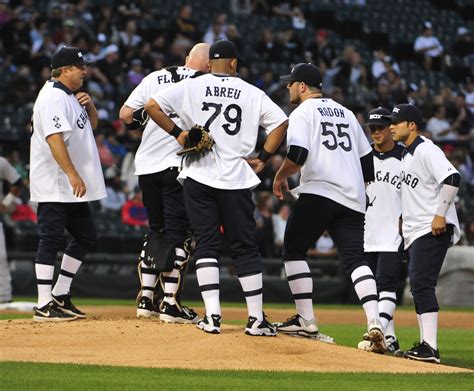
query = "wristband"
x=176 y=131
x=264 y=155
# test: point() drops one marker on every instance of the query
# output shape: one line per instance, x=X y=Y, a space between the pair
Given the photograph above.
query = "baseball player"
x=217 y=186
x=430 y=223
x=8 y=173
x=156 y=165
x=381 y=232
x=65 y=174
x=326 y=143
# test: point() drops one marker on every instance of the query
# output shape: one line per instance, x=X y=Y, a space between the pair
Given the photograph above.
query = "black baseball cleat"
x=171 y=313
x=64 y=303
x=422 y=351
x=210 y=324
x=392 y=344
x=51 y=313
x=260 y=327
x=146 y=308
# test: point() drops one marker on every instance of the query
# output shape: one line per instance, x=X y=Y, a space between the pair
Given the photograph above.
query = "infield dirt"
x=113 y=336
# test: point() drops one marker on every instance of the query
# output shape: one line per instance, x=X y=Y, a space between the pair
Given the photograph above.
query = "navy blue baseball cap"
x=222 y=49
x=379 y=116
x=67 y=55
x=407 y=112
x=307 y=73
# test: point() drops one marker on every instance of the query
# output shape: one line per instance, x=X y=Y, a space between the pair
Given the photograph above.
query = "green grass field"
x=456 y=347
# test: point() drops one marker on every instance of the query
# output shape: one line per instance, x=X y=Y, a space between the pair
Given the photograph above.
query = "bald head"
x=198 y=58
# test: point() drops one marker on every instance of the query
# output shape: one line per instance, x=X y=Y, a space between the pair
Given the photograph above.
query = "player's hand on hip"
x=79 y=188
x=84 y=99
x=256 y=164
x=280 y=186
x=438 y=225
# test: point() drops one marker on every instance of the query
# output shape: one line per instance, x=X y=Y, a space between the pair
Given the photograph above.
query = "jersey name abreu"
x=223 y=92
x=157 y=150
x=232 y=110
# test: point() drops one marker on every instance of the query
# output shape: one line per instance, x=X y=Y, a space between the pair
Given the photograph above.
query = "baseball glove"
x=198 y=141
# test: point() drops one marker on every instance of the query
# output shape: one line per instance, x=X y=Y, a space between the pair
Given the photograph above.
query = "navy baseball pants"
x=164 y=203
x=312 y=215
x=386 y=267
x=426 y=258
x=53 y=218
x=209 y=208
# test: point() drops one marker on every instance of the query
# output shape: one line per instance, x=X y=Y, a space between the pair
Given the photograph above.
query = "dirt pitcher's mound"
x=147 y=343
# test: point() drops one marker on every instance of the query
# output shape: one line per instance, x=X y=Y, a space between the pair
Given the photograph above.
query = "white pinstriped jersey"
x=424 y=168
x=381 y=232
x=157 y=150
x=57 y=110
x=336 y=142
x=232 y=110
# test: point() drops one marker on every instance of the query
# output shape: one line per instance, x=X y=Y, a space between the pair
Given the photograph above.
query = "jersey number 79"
x=232 y=114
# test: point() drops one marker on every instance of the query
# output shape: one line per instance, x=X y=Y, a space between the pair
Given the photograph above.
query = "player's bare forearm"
x=126 y=114
x=156 y=114
x=61 y=155
x=280 y=183
x=276 y=137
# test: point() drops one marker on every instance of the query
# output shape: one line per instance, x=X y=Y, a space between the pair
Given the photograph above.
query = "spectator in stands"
x=463 y=124
x=264 y=223
x=215 y=32
x=106 y=157
x=279 y=224
x=115 y=194
x=9 y=174
x=135 y=75
x=184 y=25
x=298 y=20
x=439 y=127
x=233 y=35
x=128 y=38
x=321 y=51
x=469 y=232
x=469 y=93
x=382 y=63
x=463 y=46
x=429 y=48
x=383 y=96
x=133 y=211
x=324 y=247
x=268 y=47
x=293 y=46
x=241 y=7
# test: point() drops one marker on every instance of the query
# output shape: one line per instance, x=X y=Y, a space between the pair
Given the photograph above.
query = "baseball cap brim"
x=380 y=122
x=286 y=78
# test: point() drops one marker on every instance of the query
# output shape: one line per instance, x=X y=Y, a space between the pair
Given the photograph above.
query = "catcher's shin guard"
x=180 y=265
x=155 y=287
